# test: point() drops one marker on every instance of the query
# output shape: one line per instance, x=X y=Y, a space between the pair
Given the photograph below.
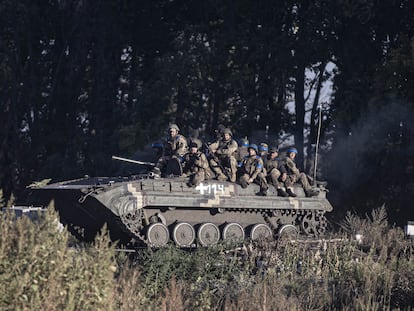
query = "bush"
x=40 y=271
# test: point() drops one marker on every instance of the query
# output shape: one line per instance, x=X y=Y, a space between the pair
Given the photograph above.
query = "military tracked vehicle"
x=146 y=210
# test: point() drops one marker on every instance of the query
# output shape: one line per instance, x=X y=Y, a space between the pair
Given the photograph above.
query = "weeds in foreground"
x=38 y=271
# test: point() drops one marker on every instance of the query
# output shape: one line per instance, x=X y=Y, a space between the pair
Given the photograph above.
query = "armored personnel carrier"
x=146 y=210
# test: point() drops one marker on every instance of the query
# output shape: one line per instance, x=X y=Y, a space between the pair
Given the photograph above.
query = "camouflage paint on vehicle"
x=146 y=210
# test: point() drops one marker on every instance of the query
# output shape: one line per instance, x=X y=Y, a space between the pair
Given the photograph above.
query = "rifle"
x=133 y=161
x=217 y=160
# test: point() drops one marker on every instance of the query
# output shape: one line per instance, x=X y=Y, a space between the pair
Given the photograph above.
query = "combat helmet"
x=263 y=147
x=254 y=147
x=227 y=131
x=292 y=150
x=174 y=126
x=244 y=142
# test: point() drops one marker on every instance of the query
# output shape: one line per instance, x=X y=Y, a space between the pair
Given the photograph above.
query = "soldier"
x=295 y=175
x=275 y=171
x=223 y=161
x=196 y=166
x=242 y=150
x=263 y=149
x=252 y=171
x=174 y=148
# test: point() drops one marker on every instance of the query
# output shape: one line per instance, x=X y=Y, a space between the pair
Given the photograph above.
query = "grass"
x=40 y=271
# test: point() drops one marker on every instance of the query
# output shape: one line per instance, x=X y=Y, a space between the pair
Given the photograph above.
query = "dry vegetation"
x=40 y=269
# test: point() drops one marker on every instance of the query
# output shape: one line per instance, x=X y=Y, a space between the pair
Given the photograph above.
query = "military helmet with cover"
x=254 y=147
x=263 y=147
x=227 y=131
x=174 y=126
x=292 y=150
x=244 y=142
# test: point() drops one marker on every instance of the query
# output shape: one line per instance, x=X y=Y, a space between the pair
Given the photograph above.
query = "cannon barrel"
x=132 y=161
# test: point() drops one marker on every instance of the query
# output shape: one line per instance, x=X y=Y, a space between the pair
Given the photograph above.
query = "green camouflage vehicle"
x=145 y=210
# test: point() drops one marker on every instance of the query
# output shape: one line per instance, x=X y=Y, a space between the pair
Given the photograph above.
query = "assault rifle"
x=217 y=160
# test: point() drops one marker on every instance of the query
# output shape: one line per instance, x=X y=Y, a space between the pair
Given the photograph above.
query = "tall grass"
x=39 y=271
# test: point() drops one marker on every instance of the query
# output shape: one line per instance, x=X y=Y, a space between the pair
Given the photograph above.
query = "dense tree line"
x=82 y=80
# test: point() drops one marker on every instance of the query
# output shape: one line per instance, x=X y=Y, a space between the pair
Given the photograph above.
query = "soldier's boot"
x=282 y=193
x=311 y=192
x=263 y=191
x=290 y=192
x=221 y=177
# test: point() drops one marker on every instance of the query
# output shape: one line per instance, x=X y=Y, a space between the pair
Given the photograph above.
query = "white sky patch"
x=310 y=92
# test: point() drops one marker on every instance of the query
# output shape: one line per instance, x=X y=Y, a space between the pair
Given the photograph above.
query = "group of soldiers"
x=226 y=160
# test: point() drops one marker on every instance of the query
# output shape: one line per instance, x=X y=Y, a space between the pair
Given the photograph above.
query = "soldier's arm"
x=281 y=168
x=214 y=146
x=267 y=166
x=292 y=166
x=186 y=166
x=201 y=161
x=181 y=146
x=258 y=168
x=231 y=149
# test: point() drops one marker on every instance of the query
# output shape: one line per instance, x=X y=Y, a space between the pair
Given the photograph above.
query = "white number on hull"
x=210 y=189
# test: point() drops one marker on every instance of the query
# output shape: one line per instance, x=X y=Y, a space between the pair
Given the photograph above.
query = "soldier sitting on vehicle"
x=223 y=161
x=175 y=148
x=251 y=170
x=196 y=166
x=276 y=172
x=295 y=175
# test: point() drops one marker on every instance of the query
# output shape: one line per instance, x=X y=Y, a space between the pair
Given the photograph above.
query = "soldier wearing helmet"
x=175 y=147
x=295 y=175
x=263 y=150
x=223 y=161
x=252 y=171
x=196 y=166
x=275 y=172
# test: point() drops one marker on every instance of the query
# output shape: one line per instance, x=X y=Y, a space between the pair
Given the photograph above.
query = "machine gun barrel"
x=132 y=161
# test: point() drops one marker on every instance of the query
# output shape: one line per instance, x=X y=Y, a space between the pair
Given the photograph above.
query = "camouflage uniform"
x=196 y=167
x=274 y=169
x=174 y=147
x=224 y=156
x=252 y=168
x=295 y=175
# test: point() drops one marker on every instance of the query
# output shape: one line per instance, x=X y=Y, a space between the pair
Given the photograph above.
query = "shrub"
x=38 y=270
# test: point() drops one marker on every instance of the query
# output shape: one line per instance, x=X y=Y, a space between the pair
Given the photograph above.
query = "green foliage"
x=38 y=270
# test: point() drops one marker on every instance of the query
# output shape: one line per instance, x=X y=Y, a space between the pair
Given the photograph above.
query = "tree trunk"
x=300 y=112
